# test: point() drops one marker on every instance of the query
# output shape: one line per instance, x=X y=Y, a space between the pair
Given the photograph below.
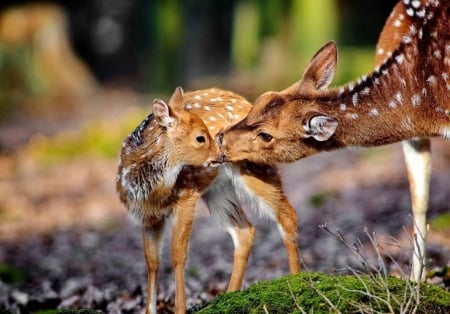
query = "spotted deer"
x=168 y=163
x=406 y=97
x=417 y=151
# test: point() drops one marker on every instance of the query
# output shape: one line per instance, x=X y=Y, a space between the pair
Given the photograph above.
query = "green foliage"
x=441 y=222
x=95 y=139
x=11 y=274
x=322 y=293
x=318 y=199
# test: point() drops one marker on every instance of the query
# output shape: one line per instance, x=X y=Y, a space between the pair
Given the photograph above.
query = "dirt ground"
x=68 y=242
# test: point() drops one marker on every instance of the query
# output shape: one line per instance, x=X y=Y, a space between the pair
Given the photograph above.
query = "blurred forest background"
x=77 y=76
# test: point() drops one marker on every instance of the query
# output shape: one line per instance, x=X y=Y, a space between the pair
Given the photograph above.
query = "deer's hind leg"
x=265 y=184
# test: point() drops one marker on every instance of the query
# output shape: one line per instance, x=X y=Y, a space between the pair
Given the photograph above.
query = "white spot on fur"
x=351 y=86
x=188 y=106
x=437 y=54
x=355 y=99
x=420 y=13
x=416 y=100
x=198 y=97
x=403 y=82
x=392 y=104
x=207 y=108
x=415 y=4
x=445 y=76
x=400 y=58
x=407 y=39
x=212 y=118
x=229 y=107
x=380 y=51
x=431 y=80
x=410 y=12
x=397 y=23
x=399 y=97
x=197 y=105
x=343 y=107
x=365 y=91
x=374 y=112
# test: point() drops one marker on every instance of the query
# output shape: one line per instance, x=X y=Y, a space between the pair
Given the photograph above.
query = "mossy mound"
x=322 y=293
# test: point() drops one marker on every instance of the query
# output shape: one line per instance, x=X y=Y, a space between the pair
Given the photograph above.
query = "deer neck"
x=399 y=99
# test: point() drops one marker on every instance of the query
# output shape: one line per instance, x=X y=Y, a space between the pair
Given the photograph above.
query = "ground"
x=66 y=240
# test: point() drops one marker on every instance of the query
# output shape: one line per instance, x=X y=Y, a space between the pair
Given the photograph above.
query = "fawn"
x=417 y=152
x=407 y=96
x=167 y=164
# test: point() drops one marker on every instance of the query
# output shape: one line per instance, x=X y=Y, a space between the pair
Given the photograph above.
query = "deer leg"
x=417 y=154
x=224 y=207
x=151 y=241
x=266 y=185
x=287 y=224
x=243 y=234
x=182 y=226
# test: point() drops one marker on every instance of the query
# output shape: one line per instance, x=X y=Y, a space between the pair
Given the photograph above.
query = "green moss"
x=321 y=293
x=441 y=222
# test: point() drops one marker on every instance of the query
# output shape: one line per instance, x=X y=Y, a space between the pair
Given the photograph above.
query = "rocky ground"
x=68 y=243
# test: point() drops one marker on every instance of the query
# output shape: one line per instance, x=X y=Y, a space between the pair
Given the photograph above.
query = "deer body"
x=166 y=165
x=406 y=97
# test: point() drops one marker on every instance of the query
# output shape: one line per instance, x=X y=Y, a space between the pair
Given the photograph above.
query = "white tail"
x=165 y=167
x=417 y=152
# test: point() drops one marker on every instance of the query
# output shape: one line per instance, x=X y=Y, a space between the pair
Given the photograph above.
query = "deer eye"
x=266 y=137
x=200 y=139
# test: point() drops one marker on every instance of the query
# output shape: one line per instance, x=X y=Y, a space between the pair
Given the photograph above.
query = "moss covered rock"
x=321 y=293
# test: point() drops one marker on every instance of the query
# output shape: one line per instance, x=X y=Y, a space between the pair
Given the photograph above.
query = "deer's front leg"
x=182 y=226
x=418 y=164
x=151 y=240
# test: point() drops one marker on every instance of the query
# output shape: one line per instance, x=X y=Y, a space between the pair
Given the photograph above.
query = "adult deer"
x=417 y=152
x=404 y=98
x=167 y=164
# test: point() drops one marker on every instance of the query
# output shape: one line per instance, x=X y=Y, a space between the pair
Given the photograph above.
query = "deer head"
x=174 y=135
x=286 y=126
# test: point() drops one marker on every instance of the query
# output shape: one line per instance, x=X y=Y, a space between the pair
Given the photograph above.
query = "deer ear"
x=320 y=127
x=320 y=71
x=162 y=113
x=176 y=101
